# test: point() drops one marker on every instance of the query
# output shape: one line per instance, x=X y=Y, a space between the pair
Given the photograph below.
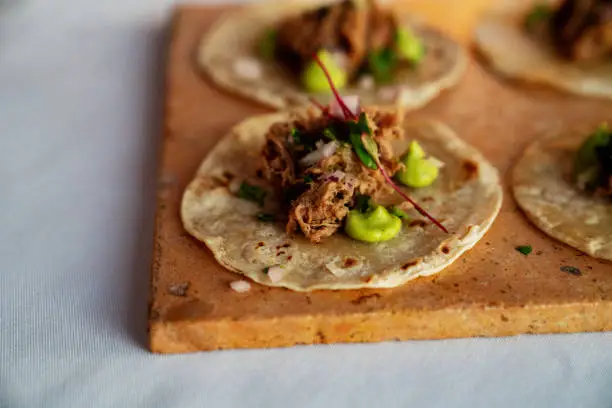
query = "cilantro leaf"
x=252 y=193
x=296 y=136
x=265 y=217
x=356 y=130
x=363 y=203
x=329 y=134
x=267 y=44
x=539 y=13
x=524 y=249
x=382 y=63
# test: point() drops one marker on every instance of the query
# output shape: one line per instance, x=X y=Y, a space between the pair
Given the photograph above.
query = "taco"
x=268 y=53
x=312 y=199
x=563 y=183
x=567 y=45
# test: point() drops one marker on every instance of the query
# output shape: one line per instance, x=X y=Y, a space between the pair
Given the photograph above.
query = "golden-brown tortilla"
x=543 y=189
x=502 y=40
x=466 y=198
x=233 y=40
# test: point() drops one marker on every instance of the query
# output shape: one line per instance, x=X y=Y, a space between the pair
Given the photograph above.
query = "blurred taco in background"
x=267 y=53
x=563 y=183
x=567 y=44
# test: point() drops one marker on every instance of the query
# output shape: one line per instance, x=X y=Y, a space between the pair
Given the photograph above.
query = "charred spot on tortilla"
x=410 y=264
x=349 y=262
x=367 y=279
x=445 y=249
x=418 y=223
x=470 y=168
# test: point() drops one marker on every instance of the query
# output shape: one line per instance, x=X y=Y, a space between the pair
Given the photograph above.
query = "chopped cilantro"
x=361 y=126
x=593 y=161
x=524 y=249
x=265 y=217
x=308 y=179
x=382 y=63
x=363 y=203
x=398 y=212
x=296 y=135
x=539 y=13
x=571 y=270
x=356 y=129
x=266 y=269
x=267 y=44
x=329 y=134
x=252 y=193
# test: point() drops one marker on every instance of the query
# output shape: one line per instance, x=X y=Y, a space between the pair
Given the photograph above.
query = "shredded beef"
x=342 y=27
x=319 y=212
x=278 y=166
x=316 y=199
x=381 y=28
x=582 y=29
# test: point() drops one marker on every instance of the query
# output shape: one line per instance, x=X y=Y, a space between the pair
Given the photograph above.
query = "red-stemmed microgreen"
x=347 y=112
x=372 y=148
x=365 y=145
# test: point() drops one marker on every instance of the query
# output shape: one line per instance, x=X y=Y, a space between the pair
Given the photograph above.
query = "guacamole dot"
x=418 y=170
x=409 y=46
x=376 y=225
x=313 y=77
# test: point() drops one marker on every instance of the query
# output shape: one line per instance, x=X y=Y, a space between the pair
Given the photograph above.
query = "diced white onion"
x=335 y=109
x=311 y=158
x=240 y=286
x=366 y=82
x=329 y=149
x=351 y=102
x=247 y=68
x=323 y=150
x=276 y=273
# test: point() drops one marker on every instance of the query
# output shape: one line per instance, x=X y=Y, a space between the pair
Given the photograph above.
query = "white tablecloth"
x=79 y=125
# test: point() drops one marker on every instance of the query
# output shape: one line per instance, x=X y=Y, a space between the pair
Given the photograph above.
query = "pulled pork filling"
x=311 y=162
x=345 y=27
x=582 y=29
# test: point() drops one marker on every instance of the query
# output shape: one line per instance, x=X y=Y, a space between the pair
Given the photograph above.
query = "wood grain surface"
x=493 y=290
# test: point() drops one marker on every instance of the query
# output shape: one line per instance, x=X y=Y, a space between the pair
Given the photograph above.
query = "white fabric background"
x=79 y=125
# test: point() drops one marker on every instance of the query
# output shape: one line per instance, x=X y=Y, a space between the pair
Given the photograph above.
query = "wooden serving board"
x=493 y=290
